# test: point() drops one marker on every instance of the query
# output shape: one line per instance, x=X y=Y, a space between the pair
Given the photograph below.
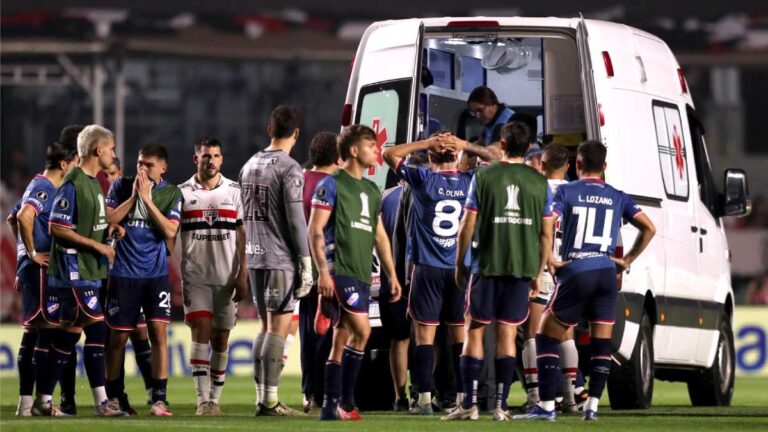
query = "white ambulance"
x=583 y=79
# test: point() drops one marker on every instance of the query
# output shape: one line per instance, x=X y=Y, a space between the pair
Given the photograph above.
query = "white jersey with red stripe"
x=209 y=222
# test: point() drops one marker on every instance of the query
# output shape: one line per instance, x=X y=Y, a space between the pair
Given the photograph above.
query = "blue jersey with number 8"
x=590 y=213
x=438 y=203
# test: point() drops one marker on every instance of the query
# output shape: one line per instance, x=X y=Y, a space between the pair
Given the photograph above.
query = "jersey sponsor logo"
x=42 y=196
x=445 y=242
x=101 y=226
x=193 y=202
x=210 y=216
x=61 y=216
x=63 y=204
x=512 y=198
x=138 y=223
x=210 y=237
x=74 y=276
x=254 y=249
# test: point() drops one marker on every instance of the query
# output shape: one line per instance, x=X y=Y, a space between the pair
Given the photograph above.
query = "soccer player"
x=591 y=212
x=149 y=209
x=114 y=171
x=437 y=206
x=507 y=216
x=78 y=263
x=279 y=265
x=343 y=228
x=30 y=223
x=554 y=162
x=314 y=348
x=213 y=269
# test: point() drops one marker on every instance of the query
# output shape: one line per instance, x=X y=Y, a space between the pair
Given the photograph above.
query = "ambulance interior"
x=537 y=77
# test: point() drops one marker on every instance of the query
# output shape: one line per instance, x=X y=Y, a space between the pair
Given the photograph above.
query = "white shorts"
x=211 y=301
x=546 y=289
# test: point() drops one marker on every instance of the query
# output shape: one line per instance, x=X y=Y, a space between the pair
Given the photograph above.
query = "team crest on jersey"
x=63 y=203
x=512 y=198
x=42 y=196
x=353 y=299
x=91 y=302
x=210 y=216
x=320 y=192
x=52 y=307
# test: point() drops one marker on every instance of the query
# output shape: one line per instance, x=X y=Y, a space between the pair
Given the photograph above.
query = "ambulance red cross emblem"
x=677 y=142
x=381 y=139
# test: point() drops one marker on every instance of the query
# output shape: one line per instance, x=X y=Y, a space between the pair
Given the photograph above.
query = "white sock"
x=547 y=405
x=591 y=404
x=460 y=398
x=99 y=395
x=530 y=371
x=25 y=402
x=425 y=398
x=201 y=367
x=44 y=398
x=258 y=377
x=218 y=373
x=569 y=362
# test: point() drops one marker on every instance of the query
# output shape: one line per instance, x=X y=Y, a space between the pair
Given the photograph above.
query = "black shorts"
x=127 y=298
x=434 y=297
x=38 y=299
x=503 y=298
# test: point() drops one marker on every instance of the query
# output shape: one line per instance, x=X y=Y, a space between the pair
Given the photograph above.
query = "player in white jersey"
x=213 y=269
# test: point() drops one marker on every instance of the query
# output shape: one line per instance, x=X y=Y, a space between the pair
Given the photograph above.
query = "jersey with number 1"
x=591 y=213
x=438 y=201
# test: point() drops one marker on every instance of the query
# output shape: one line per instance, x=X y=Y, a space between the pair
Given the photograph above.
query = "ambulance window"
x=707 y=189
x=673 y=158
x=384 y=107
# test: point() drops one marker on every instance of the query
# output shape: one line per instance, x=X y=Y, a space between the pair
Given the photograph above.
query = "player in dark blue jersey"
x=437 y=198
x=149 y=209
x=590 y=213
x=29 y=221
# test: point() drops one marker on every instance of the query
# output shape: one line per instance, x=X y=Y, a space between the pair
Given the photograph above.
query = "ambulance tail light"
x=474 y=23
x=608 y=64
x=346 y=115
x=681 y=77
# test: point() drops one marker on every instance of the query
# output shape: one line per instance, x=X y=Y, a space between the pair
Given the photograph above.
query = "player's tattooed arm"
x=393 y=155
x=546 y=239
x=12 y=223
x=488 y=154
x=317 y=221
x=384 y=250
x=466 y=229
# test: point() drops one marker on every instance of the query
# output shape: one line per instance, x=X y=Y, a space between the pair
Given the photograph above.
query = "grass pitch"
x=671 y=411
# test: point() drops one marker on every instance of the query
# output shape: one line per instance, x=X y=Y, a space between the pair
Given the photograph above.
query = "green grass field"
x=672 y=411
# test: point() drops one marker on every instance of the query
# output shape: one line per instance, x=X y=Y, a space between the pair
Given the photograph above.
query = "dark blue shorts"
x=78 y=299
x=38 y=299
x=503 y=298
x=590 y=294
x=353 y=295
x=434 y=297
x=127 y=298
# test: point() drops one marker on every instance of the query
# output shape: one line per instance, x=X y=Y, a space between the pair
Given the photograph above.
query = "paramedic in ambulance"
x=484 y=106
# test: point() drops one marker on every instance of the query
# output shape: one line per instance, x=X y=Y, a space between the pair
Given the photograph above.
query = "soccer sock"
x=505 y=371
x=93 y=359
x=530 y=371
x=258 y=377
x=115 y=388
x=423 y=362
x=68 y=378
x=579 y=382
x=548 y=365
x=218 y=373
x=24 y=362
x=569 y=360
x=601 y=367
x=332 y=388
x=456 y=357
x=201 y=366
x=272 y=366
x=350 y=366
x=62 y=347
x=159 y=387
x=142 y=351
x=470 y=374
x=42 y=360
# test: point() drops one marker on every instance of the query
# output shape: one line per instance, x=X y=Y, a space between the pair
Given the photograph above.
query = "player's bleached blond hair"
x=89 y=137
